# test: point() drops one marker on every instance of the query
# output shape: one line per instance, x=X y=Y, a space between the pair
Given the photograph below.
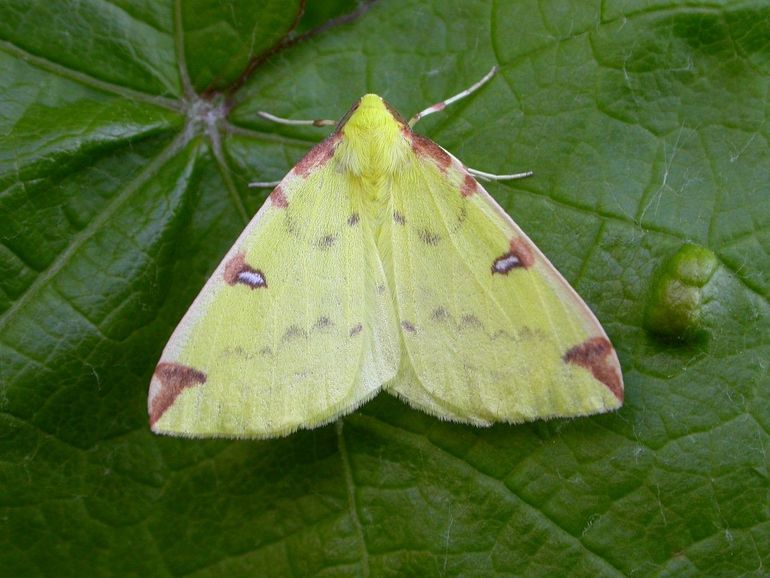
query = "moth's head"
x=375 y=141
x=371 y=112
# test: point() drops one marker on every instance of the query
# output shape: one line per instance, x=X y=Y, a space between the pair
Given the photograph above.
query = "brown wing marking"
x=519 y=255
x=594 y=355
x=174 y=378
x=237 y=270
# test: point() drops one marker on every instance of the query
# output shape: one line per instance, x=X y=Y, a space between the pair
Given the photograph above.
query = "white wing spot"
x=251 y=278
x=505 y=264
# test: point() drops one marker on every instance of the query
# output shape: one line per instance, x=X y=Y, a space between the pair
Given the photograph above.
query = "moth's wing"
x=491 y=330
x=294 y=328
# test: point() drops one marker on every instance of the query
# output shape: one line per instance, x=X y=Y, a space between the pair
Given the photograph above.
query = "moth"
x=379 y=263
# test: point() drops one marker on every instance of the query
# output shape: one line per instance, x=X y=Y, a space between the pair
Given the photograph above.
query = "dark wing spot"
x=461 y=217
x=173 y=378
x=593 y=354
x=278 y=198
x=470 y=320
x=237 y=351
x=294 y=332
x=356 y=329
x=353 y=219
x=520 y=255
x=327 y=241
x=429 y=237
x=266 y=351
x=408 y=326
x=323 y=322
x=501 y=334
x=439 y=314
x=426 y=148
x=238 y=271
x=291 y=225
x=398 y=218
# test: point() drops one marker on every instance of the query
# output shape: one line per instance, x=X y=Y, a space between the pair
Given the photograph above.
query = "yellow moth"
x=380 y=263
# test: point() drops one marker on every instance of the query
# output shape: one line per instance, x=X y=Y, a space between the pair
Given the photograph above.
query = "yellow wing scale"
x=380 y=263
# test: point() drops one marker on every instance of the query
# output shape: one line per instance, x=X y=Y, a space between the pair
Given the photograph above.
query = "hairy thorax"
x=373 y=152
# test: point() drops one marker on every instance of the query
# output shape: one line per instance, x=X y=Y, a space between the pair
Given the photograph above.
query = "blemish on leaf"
x=519 y=255
x=278 y=198
x=675 y=306
x=238 y=271
x=173 y=378
x=594 y=355
x=408 y=326
x=356 y=329
x=426 y=148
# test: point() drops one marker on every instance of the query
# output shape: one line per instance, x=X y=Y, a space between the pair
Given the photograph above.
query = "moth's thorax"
x=374 y=141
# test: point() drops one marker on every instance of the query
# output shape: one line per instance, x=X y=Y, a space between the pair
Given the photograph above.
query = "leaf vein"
x=88 y=80
x=92 y=228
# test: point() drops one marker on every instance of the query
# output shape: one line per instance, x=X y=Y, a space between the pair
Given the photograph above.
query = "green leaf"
x=222 y=38
x=129 y=134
